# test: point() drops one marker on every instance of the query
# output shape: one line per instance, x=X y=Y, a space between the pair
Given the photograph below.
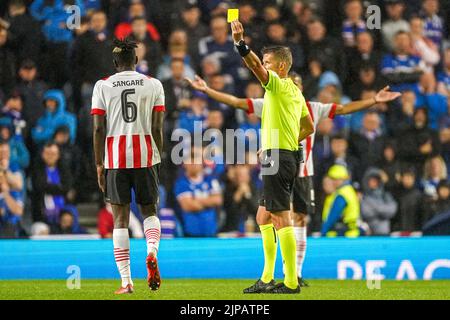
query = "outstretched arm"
x=200 y=85
x=383 y=96
x=250 y=58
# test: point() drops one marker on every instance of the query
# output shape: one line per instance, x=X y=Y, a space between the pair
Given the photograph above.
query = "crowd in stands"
x=397 y=155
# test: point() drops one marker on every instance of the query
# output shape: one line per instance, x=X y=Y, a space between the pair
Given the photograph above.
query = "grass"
x=222 y=290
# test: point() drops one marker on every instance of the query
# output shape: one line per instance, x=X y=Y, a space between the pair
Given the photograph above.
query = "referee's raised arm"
x=251 y=59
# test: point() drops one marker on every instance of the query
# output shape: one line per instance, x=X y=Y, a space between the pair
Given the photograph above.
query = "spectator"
x=177 y=93
x=328 y=49
x=11 y=208
x=7 y=65
x=53 y=18
x=12 y=113
x=198 y=197
x=410 y=205
x=435 y=171
x=195 y=114
x=40 y=229
x=105 y=222
x=91 y=59
x=422 y=46
x=241 y=198
x=177 y=50
x=367 y=145
x=363 y=56
x=390 y=166
x=66 y=224
x=339 y=156
x=194 y=27
x=139 y=32
x=353 y=24
x=341 y=211
x=434 y=24
x=276 y=35
x=367 y=80
x=20 y=157
x=401 y=119
x=52 y=183
x=418 y=142
x=32 y=90
x=402 y=69
x=378 y=206
x=441 y=204
x=55 y=116
x=221 y=45
x=444 y=76
x=311 y=81
x=13 y=173
x=395 y=22
x=136 y=9
x=26 y=38
x=70 y=153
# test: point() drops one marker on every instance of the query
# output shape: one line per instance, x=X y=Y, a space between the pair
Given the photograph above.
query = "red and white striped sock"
x=300 y=239
x=152 y=230
x=121 y=242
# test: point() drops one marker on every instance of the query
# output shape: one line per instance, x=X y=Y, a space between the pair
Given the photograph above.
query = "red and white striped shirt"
x=318 y=111
x=128 y=100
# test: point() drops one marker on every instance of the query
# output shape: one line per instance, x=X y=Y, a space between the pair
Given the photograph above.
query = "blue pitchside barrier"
x=388 y=258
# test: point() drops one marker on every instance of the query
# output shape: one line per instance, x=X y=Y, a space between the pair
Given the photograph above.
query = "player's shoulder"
x=152 y=81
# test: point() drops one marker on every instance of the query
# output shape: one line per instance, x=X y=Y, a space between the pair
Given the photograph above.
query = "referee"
x=285 y=122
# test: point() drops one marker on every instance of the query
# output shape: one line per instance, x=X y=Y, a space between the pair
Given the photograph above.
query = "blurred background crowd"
x=398 y=155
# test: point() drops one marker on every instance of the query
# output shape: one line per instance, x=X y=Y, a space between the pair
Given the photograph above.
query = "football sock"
x=300 y=238
x=287 y=245
x=269 y=239
x=152 y=230
x=121 y=242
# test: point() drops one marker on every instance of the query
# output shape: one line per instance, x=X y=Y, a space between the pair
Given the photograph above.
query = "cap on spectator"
x=27 y=64
x=338 y=172
x=200 y=95
x=329 y=78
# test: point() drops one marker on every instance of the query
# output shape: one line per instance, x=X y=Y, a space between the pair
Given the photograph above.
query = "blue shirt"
x=199 y=223
x=7 y=215
x=434 y=29
x=400 y=64
x=444 y=77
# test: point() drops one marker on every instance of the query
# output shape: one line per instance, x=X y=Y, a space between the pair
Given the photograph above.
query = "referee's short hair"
x=281 y=53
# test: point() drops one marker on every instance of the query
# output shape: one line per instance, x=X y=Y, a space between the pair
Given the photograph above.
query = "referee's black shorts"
x=144 y=182
x=303 y=198
x=279 y=170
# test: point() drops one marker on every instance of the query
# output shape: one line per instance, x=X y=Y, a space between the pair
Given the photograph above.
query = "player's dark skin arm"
x=99 y=136
x=383 y=96
x=157 y=129
x=306 y=128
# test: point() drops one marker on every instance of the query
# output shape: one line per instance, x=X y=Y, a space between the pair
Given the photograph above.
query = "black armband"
x=242 y=48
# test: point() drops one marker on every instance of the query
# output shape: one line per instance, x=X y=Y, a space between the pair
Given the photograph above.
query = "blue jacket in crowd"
x=54 y=19
x=50 y=121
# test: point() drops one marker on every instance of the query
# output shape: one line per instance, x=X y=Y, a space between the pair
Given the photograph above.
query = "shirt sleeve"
x=255 y=106
x=305 y=111
x=182 y=189
x=335 y=214
x=274 y=83
x=98 y=106
x=323 y=111
x=160 y=99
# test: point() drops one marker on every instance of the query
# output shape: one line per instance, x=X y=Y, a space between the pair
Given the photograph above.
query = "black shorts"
x=144 y=182
x=303 y=198
x=278 y=184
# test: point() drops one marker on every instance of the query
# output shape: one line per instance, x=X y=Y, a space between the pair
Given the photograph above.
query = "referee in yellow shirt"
x=285 y=122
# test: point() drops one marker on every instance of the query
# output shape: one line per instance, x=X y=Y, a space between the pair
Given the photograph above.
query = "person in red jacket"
x=136 y=9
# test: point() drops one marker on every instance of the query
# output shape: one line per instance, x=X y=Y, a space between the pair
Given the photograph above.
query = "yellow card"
x=233 y=15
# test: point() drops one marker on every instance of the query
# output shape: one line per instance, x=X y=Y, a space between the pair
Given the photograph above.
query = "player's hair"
x=281 y=53
x=124 y=53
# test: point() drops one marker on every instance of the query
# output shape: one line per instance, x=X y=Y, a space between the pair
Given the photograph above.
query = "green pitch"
x=222 y=289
